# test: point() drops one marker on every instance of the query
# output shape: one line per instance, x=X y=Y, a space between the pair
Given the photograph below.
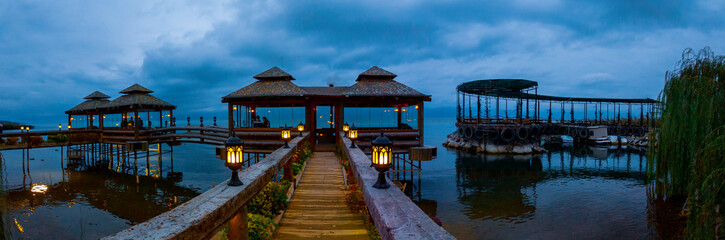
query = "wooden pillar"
x=135 y=125
x=238 y=225
x=230 y=116
x=420 y=122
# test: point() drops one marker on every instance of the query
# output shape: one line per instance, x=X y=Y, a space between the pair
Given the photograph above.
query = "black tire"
x=469 y=132
x=508 y=134
x=584 y=133
x=619 y=130
x=480 y=132
x=573 y=132
x=535 y=132
x=638 y=131
x=460 y=131
x=522 y=133
x=493 y=134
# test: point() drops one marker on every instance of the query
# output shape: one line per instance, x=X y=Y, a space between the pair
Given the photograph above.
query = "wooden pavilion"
x=89 y=110
x=374 y=88
x=137 y=99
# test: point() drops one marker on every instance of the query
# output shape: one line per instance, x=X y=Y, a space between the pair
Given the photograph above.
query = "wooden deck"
x=317 y=209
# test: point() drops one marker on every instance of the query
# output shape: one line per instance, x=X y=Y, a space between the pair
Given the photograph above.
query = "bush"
x=59 y=138
x=270 y=201
x=296 y=168
x=36 y=140
x=12 y=140
x=259 y=226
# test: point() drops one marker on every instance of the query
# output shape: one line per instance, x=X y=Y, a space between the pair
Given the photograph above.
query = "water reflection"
x=567 y=193
x=98 y=195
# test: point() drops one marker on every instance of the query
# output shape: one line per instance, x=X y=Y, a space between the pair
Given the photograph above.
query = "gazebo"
x=84 y=114
x=137 y=100
x=375 y=91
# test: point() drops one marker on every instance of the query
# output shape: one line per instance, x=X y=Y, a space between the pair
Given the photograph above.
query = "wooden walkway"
x=318 y=209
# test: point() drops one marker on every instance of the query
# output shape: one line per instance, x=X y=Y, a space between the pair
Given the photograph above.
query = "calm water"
x=570 y=193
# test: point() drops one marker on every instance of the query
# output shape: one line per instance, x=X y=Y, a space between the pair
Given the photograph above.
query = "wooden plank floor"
x=318 y=209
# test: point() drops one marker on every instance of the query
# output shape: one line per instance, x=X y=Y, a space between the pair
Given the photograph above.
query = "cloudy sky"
x=53 y=53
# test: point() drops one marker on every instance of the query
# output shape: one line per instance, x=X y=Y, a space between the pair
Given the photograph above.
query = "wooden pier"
x=318 y=209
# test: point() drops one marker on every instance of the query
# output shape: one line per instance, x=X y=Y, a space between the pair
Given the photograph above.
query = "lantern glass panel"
x=353 y=134
x=235 y=154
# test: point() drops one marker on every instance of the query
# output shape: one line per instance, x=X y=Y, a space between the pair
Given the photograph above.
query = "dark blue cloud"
x=193 y=54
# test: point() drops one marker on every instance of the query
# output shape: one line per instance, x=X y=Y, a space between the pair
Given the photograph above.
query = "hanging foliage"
x=688 y=155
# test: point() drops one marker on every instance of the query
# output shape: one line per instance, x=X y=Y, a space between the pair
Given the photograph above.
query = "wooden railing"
x=394 y=214
x=202 y=216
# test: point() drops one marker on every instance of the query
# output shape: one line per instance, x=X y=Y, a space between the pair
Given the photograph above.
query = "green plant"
x=58 y=138
x=355 y=201
x=36 y=140
x=270 y=201
x=687 y=156
x=259 y=226
x=296 y=168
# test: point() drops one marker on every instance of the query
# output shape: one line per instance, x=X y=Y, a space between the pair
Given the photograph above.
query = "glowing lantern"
x=382 y=158
x=235 y=157
x=352 y=134
x=286 y=135
x=300 y=128
x=59 y=127
x=345 y=127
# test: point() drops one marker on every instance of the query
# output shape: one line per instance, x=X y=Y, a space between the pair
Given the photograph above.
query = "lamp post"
x=345 y=128
x=235 y=157
x=353 y=136
x=60 y=127
x=286 y=135
x=300 y=128
x=382 y=158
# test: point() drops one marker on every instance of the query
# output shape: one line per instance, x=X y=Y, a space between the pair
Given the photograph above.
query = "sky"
x=191 y=53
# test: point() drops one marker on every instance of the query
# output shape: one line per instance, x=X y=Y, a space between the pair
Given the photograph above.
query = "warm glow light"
x=235 y=108
x=300 y=127
x=352 y=134
x=345 y=127
x=60 y=126
x=234 y=154
x=416 y=106
x=381 y=155
x=41 y=188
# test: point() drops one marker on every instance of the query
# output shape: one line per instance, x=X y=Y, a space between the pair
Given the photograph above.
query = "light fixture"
x=345 y=128
x=60 y=127
x=382 y=158
x=352 y=135
x=300 y=128
x=286 y=135
x=235 y=157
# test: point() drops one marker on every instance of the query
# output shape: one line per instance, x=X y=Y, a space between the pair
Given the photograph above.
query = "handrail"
x=394 y=214
x=201 y=216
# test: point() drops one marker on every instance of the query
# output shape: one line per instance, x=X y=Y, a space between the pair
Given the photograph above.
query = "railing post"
x=287 y=171
x=238 y=225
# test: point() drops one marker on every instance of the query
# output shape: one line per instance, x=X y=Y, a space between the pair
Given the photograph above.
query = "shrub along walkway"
x=318 y=209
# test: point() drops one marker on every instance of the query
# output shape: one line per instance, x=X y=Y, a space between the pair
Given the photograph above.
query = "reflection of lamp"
x=345 y=127
x=286 y=136
x=300 y=128
x=235 y=157
x=382 y=159
x=352 y=135
x=42 y=188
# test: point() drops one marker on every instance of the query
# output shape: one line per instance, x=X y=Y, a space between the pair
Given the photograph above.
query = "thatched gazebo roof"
x=97 y=95
x=96 y=100
x=374 y=82
x=377 y=82
x=137 y=97
x=271 y=83
x=274 y=73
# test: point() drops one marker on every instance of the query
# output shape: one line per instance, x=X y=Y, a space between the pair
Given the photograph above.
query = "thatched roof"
x=375 y=82
x=137 y=96
x=88 y=106
x=376 y=73
x=136 y=89
x=379 y=82
x=97 y=95
x=274 y=73
x=268 y=88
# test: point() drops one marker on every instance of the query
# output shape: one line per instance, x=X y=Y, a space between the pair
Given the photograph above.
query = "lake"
x=567 y=193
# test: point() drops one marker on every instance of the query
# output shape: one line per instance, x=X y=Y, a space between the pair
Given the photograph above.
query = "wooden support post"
x=238 y=225
x=135 y=125
x=230 y=109
x=420 y=123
